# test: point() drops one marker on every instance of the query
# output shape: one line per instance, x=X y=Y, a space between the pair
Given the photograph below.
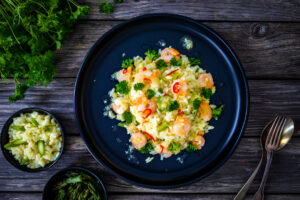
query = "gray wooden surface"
x=265 y=34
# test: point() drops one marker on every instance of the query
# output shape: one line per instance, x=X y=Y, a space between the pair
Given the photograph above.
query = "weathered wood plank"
x=284 y=176
x=35 y=196
x=266 y=50
x=266 y=99
x=238 y=10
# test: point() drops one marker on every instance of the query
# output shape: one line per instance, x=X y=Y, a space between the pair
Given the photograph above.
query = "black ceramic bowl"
x=48 y=193
x=5 y=139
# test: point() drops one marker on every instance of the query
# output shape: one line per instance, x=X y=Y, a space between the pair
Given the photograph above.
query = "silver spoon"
x=285 y=138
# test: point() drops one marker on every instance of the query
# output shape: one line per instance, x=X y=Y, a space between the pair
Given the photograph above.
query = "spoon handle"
x=260 y=192
x=243 y=191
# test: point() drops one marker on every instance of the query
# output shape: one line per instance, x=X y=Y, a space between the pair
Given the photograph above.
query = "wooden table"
x=265 y=34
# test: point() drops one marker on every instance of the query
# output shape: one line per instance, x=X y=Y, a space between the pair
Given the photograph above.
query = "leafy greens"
x=29 y=32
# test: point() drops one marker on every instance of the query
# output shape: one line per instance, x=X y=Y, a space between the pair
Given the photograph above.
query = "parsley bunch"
x=29 y=32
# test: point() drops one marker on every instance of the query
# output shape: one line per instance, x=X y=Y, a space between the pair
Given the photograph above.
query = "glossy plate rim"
x=241 y=124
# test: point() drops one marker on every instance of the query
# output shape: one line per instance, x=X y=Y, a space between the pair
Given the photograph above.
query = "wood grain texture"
x=228 y=179
x=267 y=98
x=266 y=50
x=237 y=10
x=31 y=196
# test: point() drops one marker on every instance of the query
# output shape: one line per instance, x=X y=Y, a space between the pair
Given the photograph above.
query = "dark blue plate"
x=108 y=143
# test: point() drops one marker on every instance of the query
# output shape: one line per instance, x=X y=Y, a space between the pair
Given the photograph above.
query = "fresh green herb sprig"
x=152 y=54
x=106 y=7
x=191 y=148
x=160 y=64
x=150 y=93
x=138 y=86
x=29 y=32
x=216 y=112
x=175 y=62
x=126 y=63
x=206 y=92
x=194 y=61
x=122 y=87
x=173 y=106
x=196 y=104
x=146 y=149
x=174 y=146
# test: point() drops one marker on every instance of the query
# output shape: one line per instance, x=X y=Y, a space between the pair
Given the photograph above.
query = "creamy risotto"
x=34 y=139
x=163 y=100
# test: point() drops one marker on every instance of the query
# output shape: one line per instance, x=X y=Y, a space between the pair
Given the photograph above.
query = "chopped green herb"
x=173 y=106
x=18 y=128
x=150 y=93
x=175 y=62
x=160 y=64
x=160 y=90
x=34 y=122
x=146 y=149
x=47 y=128
x=216 y=112
x=118 y=1
x=196 y=104
x=128 y=117
x=138 y=86
x=152 y=54
x=30 y=30
x=122 y=87
x=191 y=148
x=106 y=7
x=174 y=146
x=126 y=63
x=206 y=92
x=194 y=61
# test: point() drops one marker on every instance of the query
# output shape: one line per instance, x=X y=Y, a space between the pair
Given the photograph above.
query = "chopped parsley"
x=173 y=106
x=206 y=92
x=146 y=149
x=122 y=87
x=191 y=148
x=138 y=86
x=106 y=7
x=161 y=64
x=175 y=62
x=126 y=63
x=196 y=104
x=152 y=54
x=194 y=61
x=174 y=146
x=216 y=112
x=150 y=93
x=161 y=90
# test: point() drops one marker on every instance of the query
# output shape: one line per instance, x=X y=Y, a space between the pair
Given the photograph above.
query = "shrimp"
x=168 y=53
x=138 y=140
x=206 y=80
x=140 y=103
x=180 y=88
x=119 y=105
x=166 y=153
x=181 y=126
x=152 y=105
x=205 y=111
x=147 y=77
x=124 y=74
x=199 y=141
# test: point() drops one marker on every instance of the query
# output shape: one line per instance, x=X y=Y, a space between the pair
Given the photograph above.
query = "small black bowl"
x=48 y=193
x=5 y=139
